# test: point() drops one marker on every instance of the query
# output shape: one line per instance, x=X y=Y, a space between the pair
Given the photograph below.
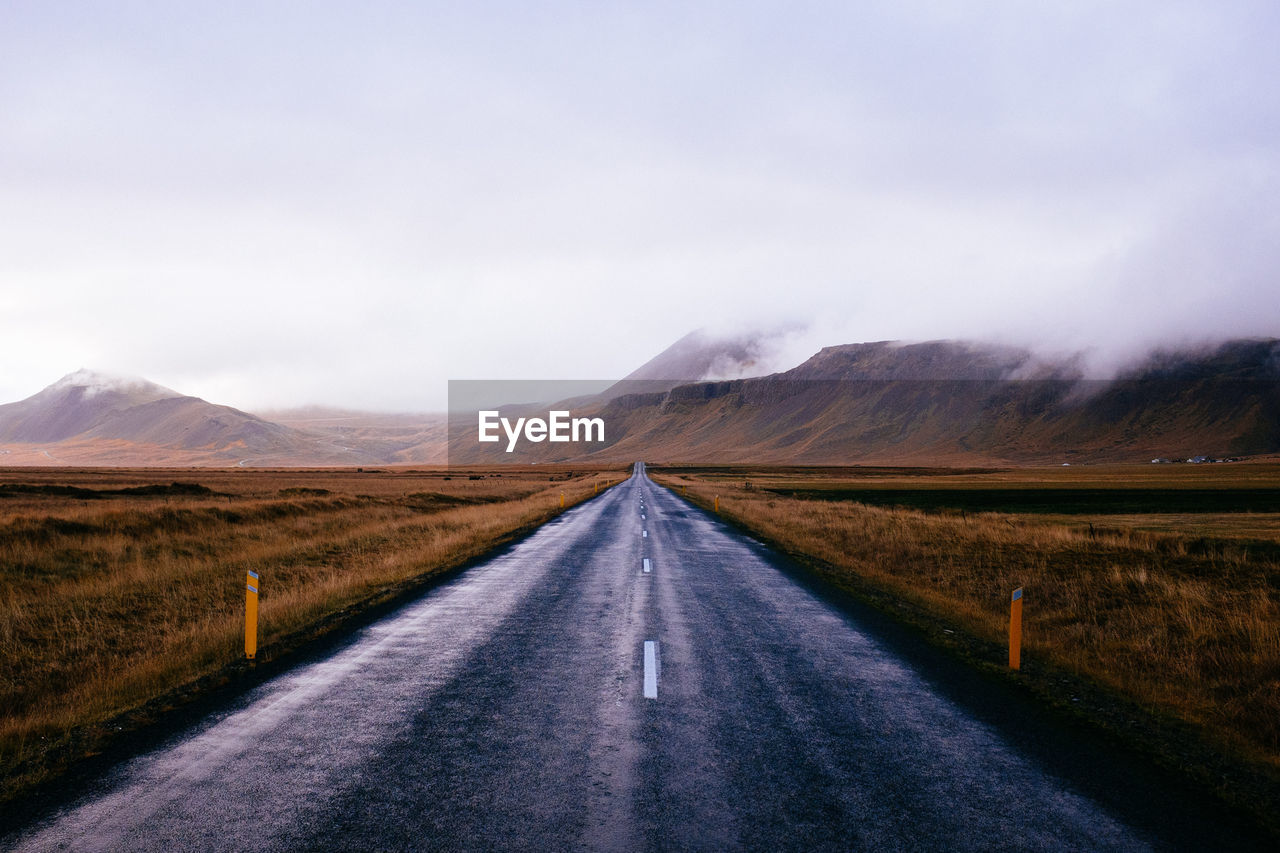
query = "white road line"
x=650 y=669
x=644 y=533
x=647 y=566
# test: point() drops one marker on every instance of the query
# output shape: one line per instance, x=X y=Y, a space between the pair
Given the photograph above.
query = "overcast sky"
x=271 y=204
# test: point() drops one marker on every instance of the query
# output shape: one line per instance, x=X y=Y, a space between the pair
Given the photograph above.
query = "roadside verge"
x=905 y=564
x=331 y=564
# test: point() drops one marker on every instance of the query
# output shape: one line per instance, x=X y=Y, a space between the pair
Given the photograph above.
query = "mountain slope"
x=90 y=418
x=393 y=438
x=701 y=355
x=946 y=401
x=937 y=403
x=76 y=403
x=943 y=402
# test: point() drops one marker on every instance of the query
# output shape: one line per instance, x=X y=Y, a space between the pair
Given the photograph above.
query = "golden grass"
x=106 y=604
x=1183 y=617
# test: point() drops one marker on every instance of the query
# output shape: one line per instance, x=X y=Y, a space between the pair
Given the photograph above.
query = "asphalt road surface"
x=633 y=676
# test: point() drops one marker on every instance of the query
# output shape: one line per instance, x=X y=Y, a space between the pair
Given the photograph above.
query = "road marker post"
x=1015 y=630
x=251 y=615
x=562 y=500
x=717 y=503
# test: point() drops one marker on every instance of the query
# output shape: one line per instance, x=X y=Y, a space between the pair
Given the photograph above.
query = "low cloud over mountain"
x=946 y=402
x=936 y=403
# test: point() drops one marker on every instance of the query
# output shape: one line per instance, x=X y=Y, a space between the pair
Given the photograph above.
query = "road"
x=633 y=676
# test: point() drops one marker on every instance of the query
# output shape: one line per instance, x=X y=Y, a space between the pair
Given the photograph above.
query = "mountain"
x=417 y=439
x=949 y=401
x=940 y=402
x=946 y=402
x=703 y=355
x=91 y=418
x=697 y=356
x=75 y=404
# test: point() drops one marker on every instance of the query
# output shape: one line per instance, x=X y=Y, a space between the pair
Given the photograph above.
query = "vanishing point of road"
x=633 y=676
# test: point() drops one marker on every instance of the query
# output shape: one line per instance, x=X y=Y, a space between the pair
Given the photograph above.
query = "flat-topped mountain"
x=940 y=402
x=945 y=402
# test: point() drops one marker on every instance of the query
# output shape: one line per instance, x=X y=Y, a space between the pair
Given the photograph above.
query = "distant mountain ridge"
x=93 y=418
x=946 y=402
x=940 y=402
x=954 y=401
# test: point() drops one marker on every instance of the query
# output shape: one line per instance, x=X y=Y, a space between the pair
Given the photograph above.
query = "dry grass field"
x=121 y=586
x=1127 y=585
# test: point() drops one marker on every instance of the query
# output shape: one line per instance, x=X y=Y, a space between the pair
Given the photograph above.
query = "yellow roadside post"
x=251 y=615
x=717 y=503
x=562 y=500
x=1015 y=630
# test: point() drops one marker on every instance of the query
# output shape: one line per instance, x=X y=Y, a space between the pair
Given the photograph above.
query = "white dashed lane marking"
x=650 y=669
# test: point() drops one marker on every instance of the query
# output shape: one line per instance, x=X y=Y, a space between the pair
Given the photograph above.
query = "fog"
x=271 y=205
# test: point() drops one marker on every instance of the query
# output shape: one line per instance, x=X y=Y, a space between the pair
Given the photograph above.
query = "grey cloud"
x=357 y=206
